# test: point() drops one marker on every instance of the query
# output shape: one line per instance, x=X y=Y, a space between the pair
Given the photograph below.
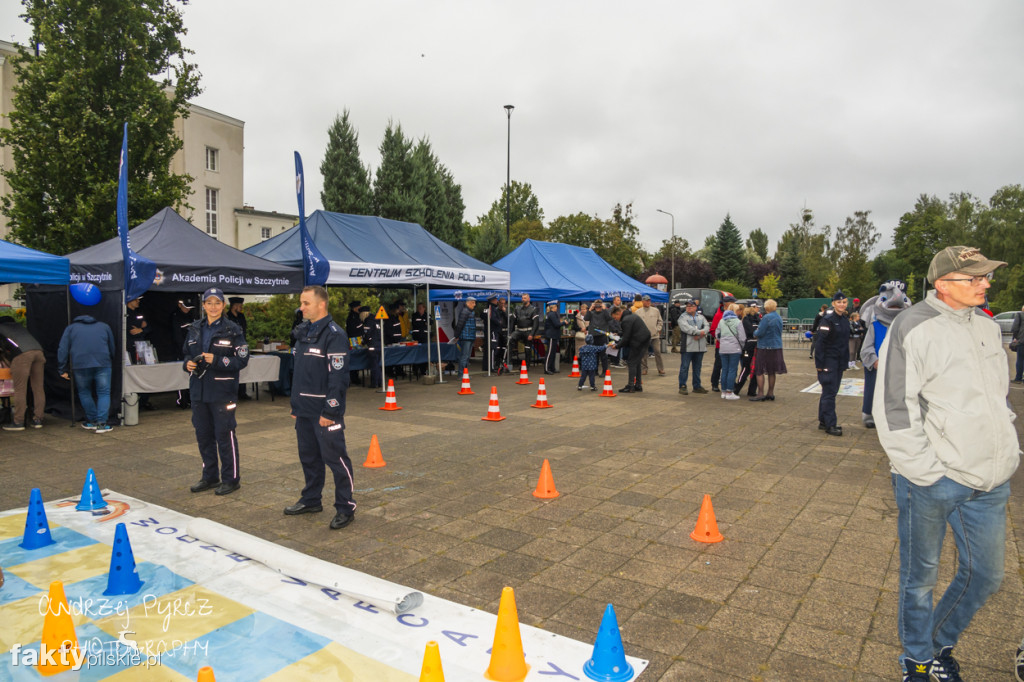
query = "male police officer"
x=318 y=405
x=527 y=324
x=831 y=358
x=215 y=352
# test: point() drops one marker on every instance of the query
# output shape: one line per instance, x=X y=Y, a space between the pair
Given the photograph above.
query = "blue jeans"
x=978 y=521
x=696 y=359
x=465 y=350
x=730 y=363
x=94 y=378
x=1020 y=365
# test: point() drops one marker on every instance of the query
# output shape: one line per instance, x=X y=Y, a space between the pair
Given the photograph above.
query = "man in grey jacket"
x=694 y=328
x=942 y=416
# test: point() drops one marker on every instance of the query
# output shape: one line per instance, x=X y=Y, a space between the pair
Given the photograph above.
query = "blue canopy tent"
x=25 y=265
x=550 y=271
x=370 y=251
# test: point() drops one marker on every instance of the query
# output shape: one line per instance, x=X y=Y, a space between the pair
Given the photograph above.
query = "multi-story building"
x=213 y=153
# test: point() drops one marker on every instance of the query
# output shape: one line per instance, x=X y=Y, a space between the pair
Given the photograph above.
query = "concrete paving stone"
x=653 y=517
x=566 y=578
x=472 y=553
x=594 y=559
x=784 y=666
x=745 y=624
x=618 y=591
x=540 y=601
x=764 y=601
x=681 y=671
x=795 y=542
x=750 y=533
x=823 y=645
x=617 y=544
x=464 y=529
x=586 y=614
x=483 y=581
x=519 y=567
x=726 y=654
x=779 y=557
x=880 y=659
x=662 y=635
x=840 y=592
x=669 y=555
x=790 y=582
x=703 y=586
x=647 y=572
x=869 y=576
x=835 y=617
x=505 y=539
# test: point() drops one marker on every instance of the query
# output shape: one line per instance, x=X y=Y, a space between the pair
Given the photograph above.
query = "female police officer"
x=215 y=352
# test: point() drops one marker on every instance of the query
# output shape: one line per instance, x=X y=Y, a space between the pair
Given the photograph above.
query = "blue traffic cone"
x=37 y=528
x=124 y=576
x=608 y=662
x=91 y=496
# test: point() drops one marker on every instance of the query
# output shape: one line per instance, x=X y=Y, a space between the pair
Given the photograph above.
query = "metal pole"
x=672 y=275
x=380 y=323
x=71 y=365
x=490 y=356
x=508 y=175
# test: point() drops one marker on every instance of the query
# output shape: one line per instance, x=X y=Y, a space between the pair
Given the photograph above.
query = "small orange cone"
x=465 y=390
x=390 y=403
x=575 y=373
x=508 y=663
x=608 y=391
x=206 y=674
x=374 y=458
x=545 y=484
x=542 y=395
x=707 y=527
x=58 y=633
x=524 y=378
x=431 y=670
x=493 y=411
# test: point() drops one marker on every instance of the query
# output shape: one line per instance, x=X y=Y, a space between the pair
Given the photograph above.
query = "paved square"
x=802 y=587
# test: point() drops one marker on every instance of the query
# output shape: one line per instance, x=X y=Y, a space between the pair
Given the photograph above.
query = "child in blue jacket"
x=588 y=361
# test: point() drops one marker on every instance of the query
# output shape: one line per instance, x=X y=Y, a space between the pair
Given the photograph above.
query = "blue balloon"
x=85 y=293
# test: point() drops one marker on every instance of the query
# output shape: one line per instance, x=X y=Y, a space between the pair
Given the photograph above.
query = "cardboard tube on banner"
x=292 y=564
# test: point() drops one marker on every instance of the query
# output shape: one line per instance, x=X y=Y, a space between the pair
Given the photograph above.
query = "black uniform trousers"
x=321 y=446
x=634 y=363
x=870 y=377
x=552 y=354
x=716 y=371
x=215 y=432
x=829 y=380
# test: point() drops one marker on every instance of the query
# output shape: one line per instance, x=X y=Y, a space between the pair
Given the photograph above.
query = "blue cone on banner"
x=85 y=293
x=608 y=662
x=124 y=576
x=37 y=528
x=92 y=498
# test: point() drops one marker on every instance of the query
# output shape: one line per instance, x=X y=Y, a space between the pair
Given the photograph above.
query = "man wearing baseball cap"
x=215 y=353
x=941 y=413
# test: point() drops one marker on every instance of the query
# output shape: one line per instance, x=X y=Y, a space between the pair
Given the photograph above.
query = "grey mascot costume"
x=877 y=313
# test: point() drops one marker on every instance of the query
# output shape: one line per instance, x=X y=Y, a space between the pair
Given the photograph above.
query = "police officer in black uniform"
x=527 y=324
x=215 y=352
x=831 y=358
x=318 y=405
x=499 y=335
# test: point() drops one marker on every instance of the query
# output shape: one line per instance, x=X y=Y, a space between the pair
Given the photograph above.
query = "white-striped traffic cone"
x=390 y=403
x=524 y=378
x=542 y=395
x=608 y=391
x=465 y=390
x=493 y=411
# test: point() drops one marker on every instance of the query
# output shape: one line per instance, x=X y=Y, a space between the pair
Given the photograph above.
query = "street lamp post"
x=672 y=275
x=508 y=174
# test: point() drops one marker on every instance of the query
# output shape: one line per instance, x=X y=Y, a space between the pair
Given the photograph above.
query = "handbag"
x=1014 y=344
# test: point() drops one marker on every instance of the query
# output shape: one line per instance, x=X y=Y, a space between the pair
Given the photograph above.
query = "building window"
x=212 y=159
x=212 y=198
x=265 y=233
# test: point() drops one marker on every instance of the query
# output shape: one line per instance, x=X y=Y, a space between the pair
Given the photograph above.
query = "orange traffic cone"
x=206 y=674
x=58 y=633
x=575 y=373
x=707 y=527
x=493 y=411
x=374 y=458
x=524 y=378
x=545 y=484
x=465 y=390
x=508 y=663
x=390 y=403
x=431 y=670
x=542 y=395
x=608 y=391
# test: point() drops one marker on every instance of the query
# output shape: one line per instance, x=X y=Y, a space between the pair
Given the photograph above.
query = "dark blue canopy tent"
x=550 y=271
x=22 y=264
x=370 y=251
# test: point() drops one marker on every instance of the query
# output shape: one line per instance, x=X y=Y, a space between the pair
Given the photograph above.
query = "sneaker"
x=716 y=389
x=13 y=427
x=37 y=423
x=916 y=671
x=723 y=395
x=1018 y=670
x=89 y=426
x=730 y=396
x=944 y=666
x=580 y=387
x=700 y=389
x=683 y=391
x=593 y=388
x=104 y=428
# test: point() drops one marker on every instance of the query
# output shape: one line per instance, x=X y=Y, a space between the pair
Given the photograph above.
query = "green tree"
x=704 y=252
x=727 y=256
x=346 y=179
x=831 y=285
x=400 y=182
x=768 y=287
x=925 y=231
x=737 y=289
x=888 y=265
x=452 y=228
x=615 y=239
x=853 y=245
x=528 y=229
x=72 y=96
x=442 y=197
x=523 y=206
x=813 y=246
x=793 y=278
x=757 y=242
x=490 y=244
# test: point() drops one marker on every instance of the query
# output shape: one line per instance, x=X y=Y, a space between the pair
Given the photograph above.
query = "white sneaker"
x=723 y=395
x=730 y=396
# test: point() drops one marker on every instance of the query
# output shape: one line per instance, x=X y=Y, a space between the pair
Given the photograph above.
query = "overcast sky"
x=752 y=108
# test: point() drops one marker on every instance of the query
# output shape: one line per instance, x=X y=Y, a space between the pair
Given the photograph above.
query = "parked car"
x=1005 y=322
x=707 y=300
